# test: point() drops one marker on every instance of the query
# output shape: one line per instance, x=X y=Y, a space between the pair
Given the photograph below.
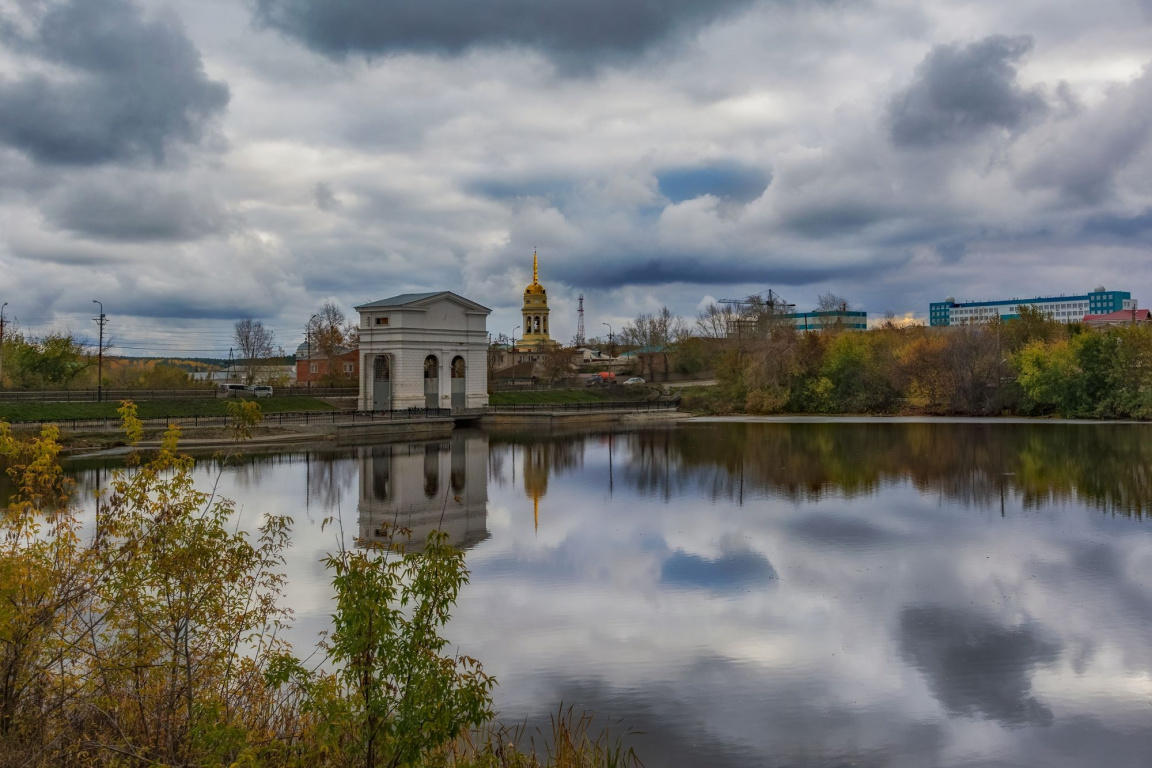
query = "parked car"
x=602 y=379
x=634 y=380
x=262 y=391
x=233 y=390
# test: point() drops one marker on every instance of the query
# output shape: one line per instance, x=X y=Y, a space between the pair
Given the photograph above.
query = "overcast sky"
x=191 y=162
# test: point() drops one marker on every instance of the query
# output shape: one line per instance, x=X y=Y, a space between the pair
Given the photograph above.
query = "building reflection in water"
x=425 y=486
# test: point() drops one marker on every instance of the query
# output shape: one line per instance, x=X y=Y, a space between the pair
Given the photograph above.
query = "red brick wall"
x=324 y=367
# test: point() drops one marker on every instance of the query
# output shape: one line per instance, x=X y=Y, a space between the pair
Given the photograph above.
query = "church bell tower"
x=535 y=314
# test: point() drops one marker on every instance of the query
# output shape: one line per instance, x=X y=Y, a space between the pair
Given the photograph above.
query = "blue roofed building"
x=1063 y=309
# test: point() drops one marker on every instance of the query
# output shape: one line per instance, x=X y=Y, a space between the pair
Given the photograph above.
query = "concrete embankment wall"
x=564 y=418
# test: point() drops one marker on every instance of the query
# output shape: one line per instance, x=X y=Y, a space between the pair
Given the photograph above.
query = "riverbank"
x=150 y=409
x=905 y=419
x=359 y=433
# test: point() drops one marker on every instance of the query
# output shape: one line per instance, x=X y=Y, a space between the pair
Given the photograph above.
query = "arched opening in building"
x=459 y=388
x=431 y=382
x=458 y=472
x=382 y=473
x=382 y=383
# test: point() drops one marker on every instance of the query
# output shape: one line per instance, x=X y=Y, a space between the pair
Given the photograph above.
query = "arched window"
x=457 y=367
x=431 y=367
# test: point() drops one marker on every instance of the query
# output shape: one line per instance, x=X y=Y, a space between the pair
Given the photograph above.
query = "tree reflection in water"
x=1102 y=465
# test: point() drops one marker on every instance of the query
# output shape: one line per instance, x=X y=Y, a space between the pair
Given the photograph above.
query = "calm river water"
x=772 y=594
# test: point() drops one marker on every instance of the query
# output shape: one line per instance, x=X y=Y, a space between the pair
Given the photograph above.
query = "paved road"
x=681 y=384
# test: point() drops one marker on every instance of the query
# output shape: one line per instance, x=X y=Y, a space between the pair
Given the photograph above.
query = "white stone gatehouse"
x=423 y=350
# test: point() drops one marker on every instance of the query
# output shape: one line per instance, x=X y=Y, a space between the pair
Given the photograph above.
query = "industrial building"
x=747 y=325
x=1063 y=309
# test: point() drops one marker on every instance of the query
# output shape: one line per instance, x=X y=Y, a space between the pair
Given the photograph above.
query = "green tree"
x=1049 y=375
x=398 y=696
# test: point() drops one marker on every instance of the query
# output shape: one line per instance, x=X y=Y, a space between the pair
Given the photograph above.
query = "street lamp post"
x=100 y=355
x=512 y=353
x=308 y=350
x=611 y=341
x=2 y=343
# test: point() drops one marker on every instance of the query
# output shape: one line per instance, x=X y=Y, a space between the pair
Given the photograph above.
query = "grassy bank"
x=157 y=642
x=587 y=395
x=149 y=409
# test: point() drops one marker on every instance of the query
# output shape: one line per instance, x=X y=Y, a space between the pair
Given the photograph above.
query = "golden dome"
x=535 y=288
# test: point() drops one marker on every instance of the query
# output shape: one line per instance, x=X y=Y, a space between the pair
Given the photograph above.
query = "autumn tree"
x=54 y=360
x=715 y=321
x=329 y=331
x=557 y=363
x=656 y=334
x=256 y=345
x=831 y=302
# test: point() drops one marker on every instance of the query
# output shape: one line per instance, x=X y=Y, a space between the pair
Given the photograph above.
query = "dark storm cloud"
x=1120 y=226
x=821 y=219
x=976 y=666
x=701 y=269
x=729 y=181
x=578 y=32
x=959 y=93
x=135 y=210
x=1084 y=161
x=133 y=87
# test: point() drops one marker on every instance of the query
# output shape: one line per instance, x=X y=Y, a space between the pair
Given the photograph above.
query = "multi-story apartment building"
x=1064 y=309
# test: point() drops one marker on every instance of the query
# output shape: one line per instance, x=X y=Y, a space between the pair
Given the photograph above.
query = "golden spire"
x=536 y=513
x=535 y=269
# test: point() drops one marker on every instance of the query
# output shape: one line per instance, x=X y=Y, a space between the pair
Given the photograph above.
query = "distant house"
x=1121 y=317
x=650 y=362
x=589 y=355
x=315 y=368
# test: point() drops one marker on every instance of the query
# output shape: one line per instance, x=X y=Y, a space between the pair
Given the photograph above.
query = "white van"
x=233 y=390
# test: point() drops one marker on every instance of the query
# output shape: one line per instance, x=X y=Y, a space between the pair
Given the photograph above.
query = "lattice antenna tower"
x=580 y=323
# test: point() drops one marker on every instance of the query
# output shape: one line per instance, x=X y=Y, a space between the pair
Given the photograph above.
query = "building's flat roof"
x=1036 y=300
x=827 y=313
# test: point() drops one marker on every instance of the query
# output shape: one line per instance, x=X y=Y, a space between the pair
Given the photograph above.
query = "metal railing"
x=295 y=418
x=115 y=395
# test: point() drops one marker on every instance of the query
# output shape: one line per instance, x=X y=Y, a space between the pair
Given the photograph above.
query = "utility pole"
x=100 y=354
x=580 y=323
x=2 y=343
x=611 y=341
